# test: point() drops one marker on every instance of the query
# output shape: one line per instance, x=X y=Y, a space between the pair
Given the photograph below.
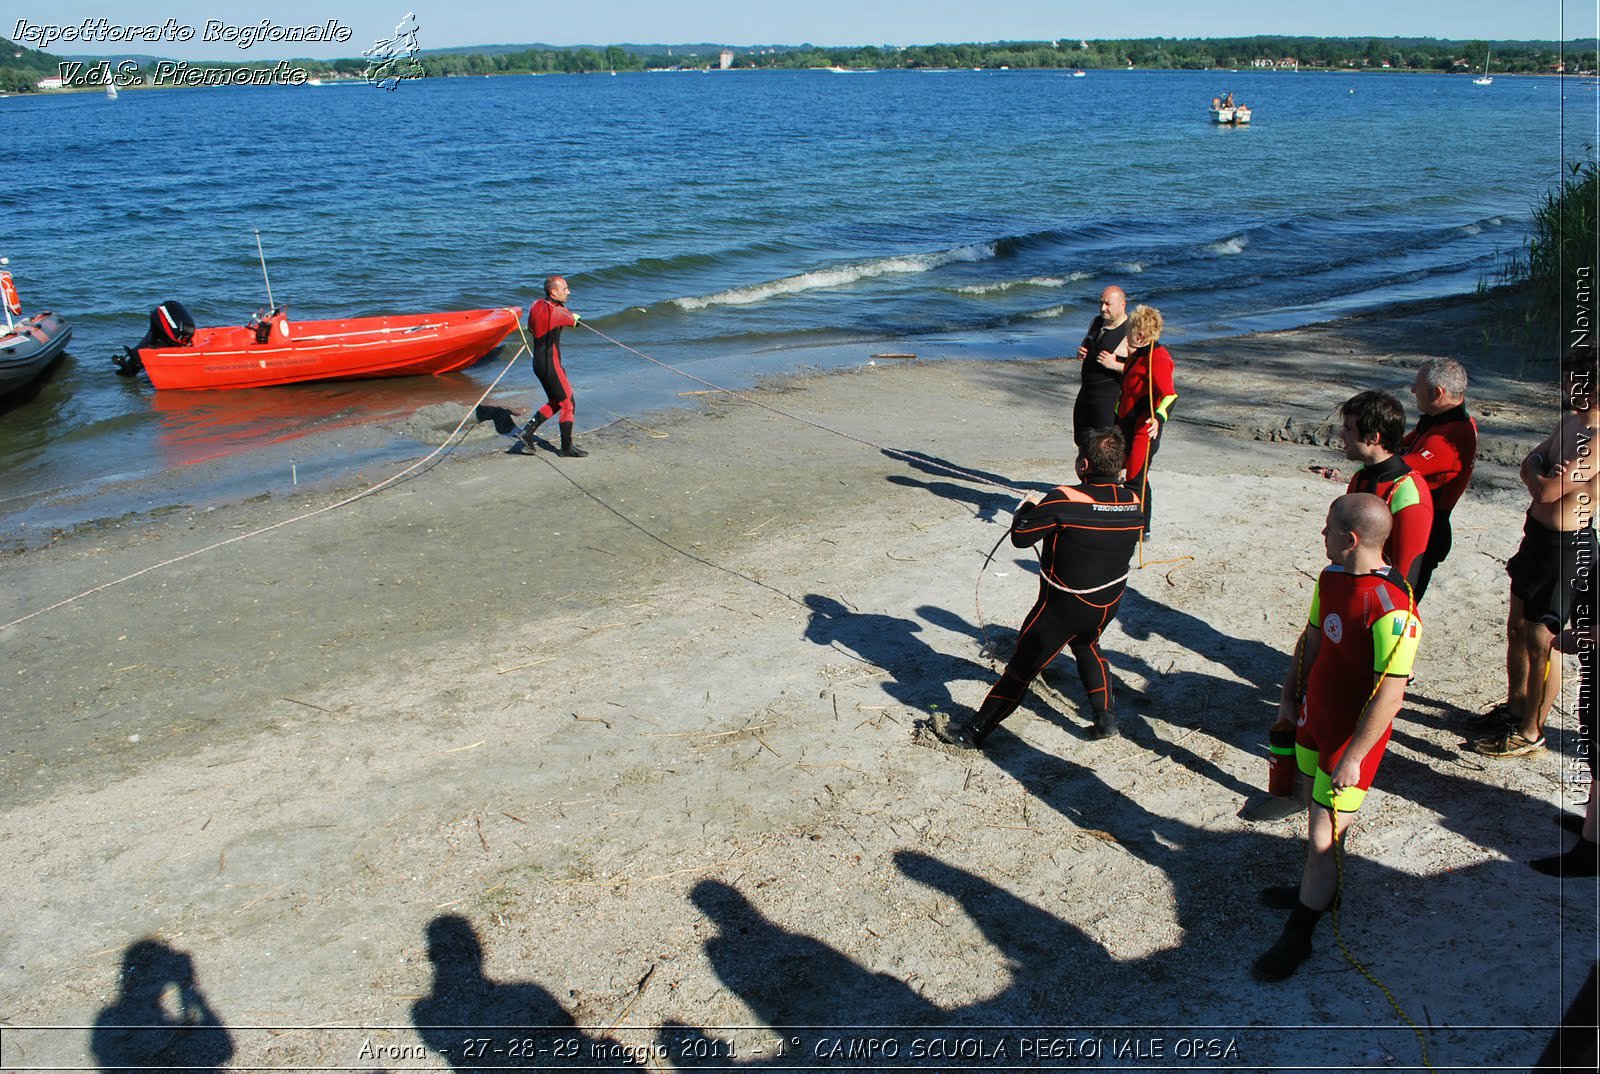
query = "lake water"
x=733 y=223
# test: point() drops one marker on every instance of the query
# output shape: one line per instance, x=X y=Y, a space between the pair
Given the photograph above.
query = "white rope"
x=1053 y=584
x=447 y=445
x=914 y=460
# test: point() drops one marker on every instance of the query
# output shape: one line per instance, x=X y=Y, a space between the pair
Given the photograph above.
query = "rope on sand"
x=449 y=444
x=742 y=397
x=914 y=460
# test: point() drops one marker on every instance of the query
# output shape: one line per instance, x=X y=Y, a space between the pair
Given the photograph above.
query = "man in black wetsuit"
x=1089 y=532
x=1103 y=356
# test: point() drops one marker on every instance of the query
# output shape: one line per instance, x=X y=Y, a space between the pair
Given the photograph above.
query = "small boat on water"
x=28 y=345
x=111 y=91
x=1224 y=110
x=271 y=350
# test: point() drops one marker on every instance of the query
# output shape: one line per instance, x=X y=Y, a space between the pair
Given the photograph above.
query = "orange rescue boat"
x=273 y=350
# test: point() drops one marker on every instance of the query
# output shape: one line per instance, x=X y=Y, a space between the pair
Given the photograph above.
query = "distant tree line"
x=1396 y=53
x=21 y=69
x=1413 y=54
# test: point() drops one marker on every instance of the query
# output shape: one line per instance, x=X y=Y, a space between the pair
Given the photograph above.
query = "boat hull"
x=358 y=348
x=28 y=350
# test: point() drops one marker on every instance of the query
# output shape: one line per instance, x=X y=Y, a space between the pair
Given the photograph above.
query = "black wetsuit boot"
x=569 y=450
x=1293 y=946
x=1105 y=724
x=526 y=436
x=970 y=735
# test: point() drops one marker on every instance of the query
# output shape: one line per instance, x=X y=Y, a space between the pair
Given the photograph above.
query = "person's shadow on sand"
x=991 y=495
x=476 y=1023
x=920 y=675
x=161 y=1020
x=504 y=417
x=809 y=993
x=792 y=982
x=1061 y=676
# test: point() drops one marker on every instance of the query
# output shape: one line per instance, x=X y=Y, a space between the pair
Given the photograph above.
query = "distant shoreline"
x=336 y=80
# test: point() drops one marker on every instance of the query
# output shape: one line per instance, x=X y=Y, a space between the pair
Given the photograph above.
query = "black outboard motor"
x=171 y=325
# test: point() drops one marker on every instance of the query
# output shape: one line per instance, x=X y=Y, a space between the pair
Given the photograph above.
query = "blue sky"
x=821 y=22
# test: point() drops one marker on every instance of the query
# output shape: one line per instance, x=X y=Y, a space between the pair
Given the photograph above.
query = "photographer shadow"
x=161 y=1020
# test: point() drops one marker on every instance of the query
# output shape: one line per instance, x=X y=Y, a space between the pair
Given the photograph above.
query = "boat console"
x=262 y=322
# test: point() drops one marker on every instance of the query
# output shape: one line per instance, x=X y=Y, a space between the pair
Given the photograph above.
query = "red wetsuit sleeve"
x=1408 y=538
x=1161 y=368
x=544 y=316
x=1137 y=391
x=1436 y=458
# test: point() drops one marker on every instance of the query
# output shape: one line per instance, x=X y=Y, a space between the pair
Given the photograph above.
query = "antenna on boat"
x=264 y=275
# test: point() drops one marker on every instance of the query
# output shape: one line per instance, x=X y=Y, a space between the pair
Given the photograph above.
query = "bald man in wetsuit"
x=1103 y=354
x=1344 y=689
x=1088 y=532
x=546 y=318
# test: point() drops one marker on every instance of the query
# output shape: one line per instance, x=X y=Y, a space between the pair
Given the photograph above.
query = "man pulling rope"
x=1088 y=533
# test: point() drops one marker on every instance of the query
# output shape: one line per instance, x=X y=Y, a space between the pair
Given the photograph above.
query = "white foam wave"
x=1032 y=281
x=837 y=276
x=1131 y=266
x=1471 y=229
x=1229 y=247
x=1046 y=313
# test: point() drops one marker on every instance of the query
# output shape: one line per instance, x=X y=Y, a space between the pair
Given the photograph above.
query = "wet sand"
x=644 y=721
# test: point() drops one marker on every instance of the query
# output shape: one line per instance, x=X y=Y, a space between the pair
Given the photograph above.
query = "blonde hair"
x=1146 y=322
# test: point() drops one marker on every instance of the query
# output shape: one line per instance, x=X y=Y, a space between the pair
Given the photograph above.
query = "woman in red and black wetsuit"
x=1147 y=398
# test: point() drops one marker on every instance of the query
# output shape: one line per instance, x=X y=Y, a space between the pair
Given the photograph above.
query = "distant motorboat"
x=1079 y=73
x=313 y=81
x=1233 y=114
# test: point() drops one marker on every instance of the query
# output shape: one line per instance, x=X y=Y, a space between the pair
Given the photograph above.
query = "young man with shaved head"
x=1103 y=355
x=546 y=318
x=1342 y=694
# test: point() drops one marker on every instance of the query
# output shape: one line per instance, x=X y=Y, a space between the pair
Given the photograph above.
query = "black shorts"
x=1553 y=573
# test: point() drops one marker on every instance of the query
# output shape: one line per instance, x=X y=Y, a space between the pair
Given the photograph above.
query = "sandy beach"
x=642 y=726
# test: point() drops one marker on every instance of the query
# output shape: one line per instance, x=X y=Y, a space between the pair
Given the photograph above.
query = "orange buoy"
x=8 y=289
